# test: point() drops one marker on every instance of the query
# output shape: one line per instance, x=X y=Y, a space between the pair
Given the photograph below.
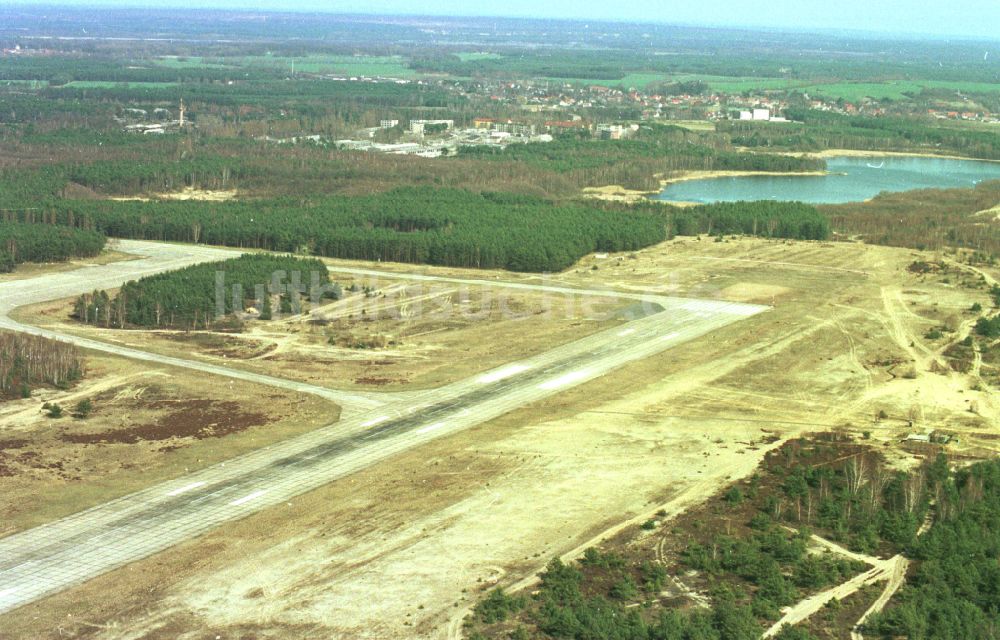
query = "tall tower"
x=182 y=114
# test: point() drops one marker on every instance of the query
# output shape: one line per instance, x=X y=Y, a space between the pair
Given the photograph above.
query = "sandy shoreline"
x=686 y=176
x=618 y=193
x=856 y=153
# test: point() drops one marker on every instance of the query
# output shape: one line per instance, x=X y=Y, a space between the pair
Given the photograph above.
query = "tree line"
x=27 y=361
x=928 y=219
x=417 y=225
x=23 y=242
x=815 y=130
x=762 y=218
x=208 y=295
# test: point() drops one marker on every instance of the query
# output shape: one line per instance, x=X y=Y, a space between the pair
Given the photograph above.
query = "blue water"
x=850 y=180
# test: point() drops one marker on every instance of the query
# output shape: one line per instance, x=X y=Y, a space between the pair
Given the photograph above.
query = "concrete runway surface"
x=52 y=557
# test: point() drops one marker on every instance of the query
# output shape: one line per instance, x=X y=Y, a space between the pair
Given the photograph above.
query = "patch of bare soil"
x=197 y=419
x=221 y=345
x=187 y=193
x=616 y=193
x=75 y=191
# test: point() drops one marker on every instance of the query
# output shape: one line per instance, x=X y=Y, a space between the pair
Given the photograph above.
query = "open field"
x=630 y=80
x=391 y=551
x=406 y=336
x=188 y=62
x=478 y=55
x=371 y=66
x=851 y=91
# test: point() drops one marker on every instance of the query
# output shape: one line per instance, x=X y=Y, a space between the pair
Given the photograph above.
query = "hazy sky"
x=938 y=17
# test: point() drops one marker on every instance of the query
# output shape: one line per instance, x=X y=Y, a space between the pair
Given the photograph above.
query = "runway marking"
x=6 y=592
x=430 y=427
x=626 y=332
x=670 y=336
x=374 y=421
x=506 y=372
x=247 y=498
x=566 y=379
x=710 y=306
x=193 y=485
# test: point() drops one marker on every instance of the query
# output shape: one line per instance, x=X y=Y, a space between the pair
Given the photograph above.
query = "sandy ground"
x=187 y=193
x=616 y=193
x=400 y=550
x=685 y=176
x=993 y=213
x=855 y=153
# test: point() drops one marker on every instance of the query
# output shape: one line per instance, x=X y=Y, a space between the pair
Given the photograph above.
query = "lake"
x=851 y=179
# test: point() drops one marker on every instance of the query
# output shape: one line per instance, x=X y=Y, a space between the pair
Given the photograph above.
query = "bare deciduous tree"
x=27 y=360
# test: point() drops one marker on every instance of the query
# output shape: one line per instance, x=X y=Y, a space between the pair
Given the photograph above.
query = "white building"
x=417 y=126
x=614 y=131
x=355 y=145
x=401 y=148
x=762 y=114
x=388 y=124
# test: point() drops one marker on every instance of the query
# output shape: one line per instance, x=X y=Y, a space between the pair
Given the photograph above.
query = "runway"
x=41 y=561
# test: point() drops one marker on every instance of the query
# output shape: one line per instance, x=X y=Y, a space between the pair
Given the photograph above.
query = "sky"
x=970 y=18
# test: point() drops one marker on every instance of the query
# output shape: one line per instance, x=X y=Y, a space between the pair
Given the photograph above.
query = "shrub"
x=83 y=409
x=624 y=589
x=498 y=605
x=734 y=496
x=988 y=327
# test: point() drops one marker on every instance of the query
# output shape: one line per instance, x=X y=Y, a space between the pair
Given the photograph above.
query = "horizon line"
x=803 y=29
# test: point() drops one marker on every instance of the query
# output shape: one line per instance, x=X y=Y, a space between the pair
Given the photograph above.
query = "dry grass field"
x=401 y=336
